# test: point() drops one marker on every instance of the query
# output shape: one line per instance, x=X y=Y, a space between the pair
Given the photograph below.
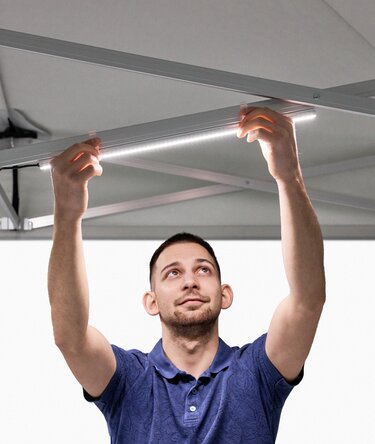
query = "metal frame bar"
x=248 y=182
x=162 y=128
x=189 y=73
x=360 y=89
x=148 y=202
x=196 y=193
x=134 y=134
x=6 y=205
x=227 y=232
x=227 y=184
x=341 y=166
x=244 y=182
x=224 y=179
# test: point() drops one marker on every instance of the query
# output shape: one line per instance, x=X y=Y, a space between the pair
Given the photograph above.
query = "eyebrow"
x=199 y=260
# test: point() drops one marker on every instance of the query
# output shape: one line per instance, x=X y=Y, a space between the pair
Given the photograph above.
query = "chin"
x=191 y=318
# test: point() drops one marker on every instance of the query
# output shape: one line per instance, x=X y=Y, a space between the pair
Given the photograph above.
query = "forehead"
x=182 y=252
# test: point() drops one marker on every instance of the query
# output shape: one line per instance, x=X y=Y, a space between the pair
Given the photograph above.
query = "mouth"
x=192 y=302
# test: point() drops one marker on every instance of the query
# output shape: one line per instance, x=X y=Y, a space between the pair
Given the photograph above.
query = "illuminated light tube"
x=121 y=149
x=44 y=165
x=304 y=117
x=173 y=142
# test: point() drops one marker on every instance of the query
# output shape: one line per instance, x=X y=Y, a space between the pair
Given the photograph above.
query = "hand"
x=71 y=171
x=276 y=135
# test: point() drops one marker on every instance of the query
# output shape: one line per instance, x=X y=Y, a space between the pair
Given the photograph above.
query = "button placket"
x=191 y=406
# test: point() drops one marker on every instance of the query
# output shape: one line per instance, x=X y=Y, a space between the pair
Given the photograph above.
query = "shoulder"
x=130 y=365
x=254 y=356
x=252 y=349
x=132 y=357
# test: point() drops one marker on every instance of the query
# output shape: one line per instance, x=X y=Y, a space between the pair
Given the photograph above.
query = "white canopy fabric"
x=317 y=44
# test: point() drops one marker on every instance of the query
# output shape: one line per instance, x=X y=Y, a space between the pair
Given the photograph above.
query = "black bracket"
x=17 y=132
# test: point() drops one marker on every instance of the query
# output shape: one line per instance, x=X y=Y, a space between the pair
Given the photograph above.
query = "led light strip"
x=120 y=149
x=304 y=117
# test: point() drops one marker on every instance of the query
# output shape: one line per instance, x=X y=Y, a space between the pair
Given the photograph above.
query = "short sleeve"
x=275 y=384
x=129 y=365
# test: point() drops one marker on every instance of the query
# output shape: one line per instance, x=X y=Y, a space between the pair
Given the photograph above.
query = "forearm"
x=67 y=285
x=302 y=244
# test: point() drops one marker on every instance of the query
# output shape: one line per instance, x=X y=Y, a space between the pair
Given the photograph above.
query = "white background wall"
x=43 y=403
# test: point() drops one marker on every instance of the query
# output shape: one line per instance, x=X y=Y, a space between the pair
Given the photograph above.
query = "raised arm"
x=86 y=351
x=295 y=320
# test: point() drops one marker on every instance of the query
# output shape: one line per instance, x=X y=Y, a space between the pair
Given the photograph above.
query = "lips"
x=191 y=300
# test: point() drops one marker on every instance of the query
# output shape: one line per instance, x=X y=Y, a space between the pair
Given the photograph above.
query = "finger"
x=245 y=109
x=81 y=163
x=95 y=142
x=91 y=145
x=261 y=134
x=255 y=118
x=76 y=150
x=84 y=152
x=89 y=172
x=270 y=115
x=251 y=125
x=279 y=118
x=62 y=162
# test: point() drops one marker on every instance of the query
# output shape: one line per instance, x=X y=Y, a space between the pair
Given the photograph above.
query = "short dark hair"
x=180 y=238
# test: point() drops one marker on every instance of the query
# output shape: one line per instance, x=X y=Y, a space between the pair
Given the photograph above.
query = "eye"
x=204 y=270
x=172 y=273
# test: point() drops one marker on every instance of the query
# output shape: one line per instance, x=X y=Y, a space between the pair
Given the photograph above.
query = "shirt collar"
x=167 y=369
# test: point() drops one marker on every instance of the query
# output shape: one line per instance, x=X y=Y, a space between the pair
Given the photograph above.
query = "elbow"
x=59 y=333
x=312 y=301
x=319 y=294
x=67 y=344
x=68 y=335
x=318 y=298
x=59 y=342
x=322 y=292
x=67 y=347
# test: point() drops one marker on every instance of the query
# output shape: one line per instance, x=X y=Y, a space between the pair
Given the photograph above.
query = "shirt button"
x=194 y=391
x=192 y=408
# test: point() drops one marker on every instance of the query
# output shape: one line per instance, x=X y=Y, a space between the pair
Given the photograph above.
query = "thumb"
x=95 y=142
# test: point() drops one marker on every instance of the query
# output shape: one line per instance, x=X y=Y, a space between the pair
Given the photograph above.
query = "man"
x=192 y=387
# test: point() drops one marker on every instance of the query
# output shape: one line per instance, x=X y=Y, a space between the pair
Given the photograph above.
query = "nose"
x=190 y=282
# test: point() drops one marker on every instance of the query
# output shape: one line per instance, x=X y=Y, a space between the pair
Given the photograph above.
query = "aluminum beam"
x=339 y=167
x=153 y=130
x=195 y=173
x=196 y=193
x=361 y=89
x=135 y=134
x=209 y=232
x=6 y=205
x=148 y=202
x=189 y=73
x=245 y=182
x=227 y=182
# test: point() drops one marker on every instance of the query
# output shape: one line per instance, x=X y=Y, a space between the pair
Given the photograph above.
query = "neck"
x=191 y=349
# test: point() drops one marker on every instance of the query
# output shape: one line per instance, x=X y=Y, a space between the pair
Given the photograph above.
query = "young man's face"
x=186 y=289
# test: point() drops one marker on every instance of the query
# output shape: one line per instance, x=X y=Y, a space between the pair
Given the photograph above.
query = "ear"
x=226 y=296
x=150 y=304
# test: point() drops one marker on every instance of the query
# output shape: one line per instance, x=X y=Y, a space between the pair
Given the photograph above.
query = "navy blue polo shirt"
x=238 y=399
